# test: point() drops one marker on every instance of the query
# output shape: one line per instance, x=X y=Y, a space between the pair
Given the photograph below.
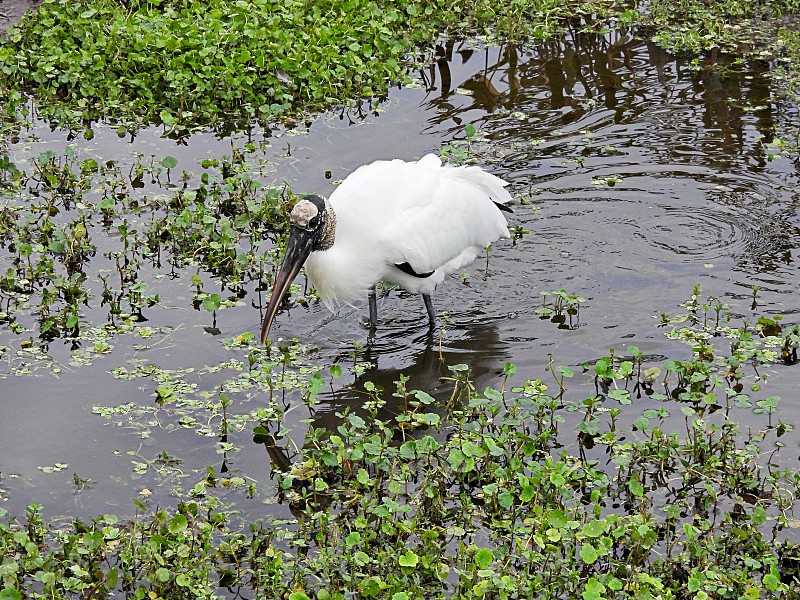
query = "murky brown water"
x=698 y=201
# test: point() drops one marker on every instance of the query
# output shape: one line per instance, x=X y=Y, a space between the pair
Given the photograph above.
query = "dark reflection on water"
x=696 y=198
x=587 y=81
x=689 y=150
x=424 y=357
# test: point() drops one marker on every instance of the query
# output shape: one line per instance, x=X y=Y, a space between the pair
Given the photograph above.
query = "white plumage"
x=433 y=217
x=429 y=218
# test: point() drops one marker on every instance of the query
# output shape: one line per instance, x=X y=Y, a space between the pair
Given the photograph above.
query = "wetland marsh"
x=607 y=409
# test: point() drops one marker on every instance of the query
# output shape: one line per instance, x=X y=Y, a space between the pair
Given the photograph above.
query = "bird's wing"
x=423 y=213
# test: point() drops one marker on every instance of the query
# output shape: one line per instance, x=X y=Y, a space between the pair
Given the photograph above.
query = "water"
x=696 y=198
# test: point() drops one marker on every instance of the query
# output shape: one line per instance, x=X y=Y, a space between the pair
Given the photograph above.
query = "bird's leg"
x=429 y=307
x=373 y=309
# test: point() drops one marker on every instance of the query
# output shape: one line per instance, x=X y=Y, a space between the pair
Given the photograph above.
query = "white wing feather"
x=433 y=217
x=427 y=213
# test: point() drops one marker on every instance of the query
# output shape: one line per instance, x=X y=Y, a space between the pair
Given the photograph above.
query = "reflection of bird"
x=405 y=223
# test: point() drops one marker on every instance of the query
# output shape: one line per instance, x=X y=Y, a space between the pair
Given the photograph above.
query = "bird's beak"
x=301 y=243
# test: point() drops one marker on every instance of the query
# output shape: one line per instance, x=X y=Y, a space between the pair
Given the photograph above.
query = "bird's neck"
x=328 y=235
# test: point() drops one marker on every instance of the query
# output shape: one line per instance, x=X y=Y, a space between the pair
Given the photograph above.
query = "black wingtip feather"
x=409 y=270
x=503 y=207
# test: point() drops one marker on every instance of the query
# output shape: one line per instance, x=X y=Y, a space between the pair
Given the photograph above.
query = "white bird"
x=405 y=223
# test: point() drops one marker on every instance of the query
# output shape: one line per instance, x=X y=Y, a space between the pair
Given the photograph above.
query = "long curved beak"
x=300 y=245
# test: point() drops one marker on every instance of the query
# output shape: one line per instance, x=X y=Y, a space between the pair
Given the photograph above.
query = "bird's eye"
x=314 y=223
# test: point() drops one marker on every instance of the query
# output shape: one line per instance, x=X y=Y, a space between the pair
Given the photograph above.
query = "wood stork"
x=406 y=223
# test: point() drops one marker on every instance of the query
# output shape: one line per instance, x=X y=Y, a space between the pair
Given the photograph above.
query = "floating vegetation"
x=733 y=26
x=507 y=491
x=628 y=476
x=564 y=308
x=202 y=63
x=53 y=279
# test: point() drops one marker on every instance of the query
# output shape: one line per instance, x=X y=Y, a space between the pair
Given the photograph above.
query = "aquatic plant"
x=513 y=490
x=187 y=64
x=222 y=219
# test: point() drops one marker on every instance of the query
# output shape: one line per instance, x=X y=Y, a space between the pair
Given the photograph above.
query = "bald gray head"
x=314 y=214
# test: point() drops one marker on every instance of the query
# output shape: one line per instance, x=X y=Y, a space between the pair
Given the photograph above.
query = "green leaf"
x=565 y=372
x=169 y=162
x=430 y=419
x=527 y=493
x=590 y=428
x=178 y=524
x=594 y=528
x=772 y=580
x=92 y=540
x=89 y=165
x=651 y=373
x=244 y=55
x=483 y=558
x=759 y=515
x=409 y=559
x=602 y=366
x=493 y=394
x=588 y=554
x=316 y=384
x=615 y=584
x=362 y=477
x=556 y=518
x=166 y=117
x=212 y=302
x=10 y=594
x=408 y=450
x=593 y=590
x=423 y=397
x=621 y=396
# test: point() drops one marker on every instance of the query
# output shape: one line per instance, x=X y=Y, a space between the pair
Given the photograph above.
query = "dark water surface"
x=698 y=201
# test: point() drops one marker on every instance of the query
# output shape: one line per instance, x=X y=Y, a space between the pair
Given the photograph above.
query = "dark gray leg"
x=429 y=307
x=373 y=309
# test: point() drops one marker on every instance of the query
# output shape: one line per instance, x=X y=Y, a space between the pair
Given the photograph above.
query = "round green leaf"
x=409 y=559
x=594 y=528
x=483 y=558
x=588 y=554
x=178 y=524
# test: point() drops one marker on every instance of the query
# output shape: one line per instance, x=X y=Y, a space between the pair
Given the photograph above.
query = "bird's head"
x=313 y=225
